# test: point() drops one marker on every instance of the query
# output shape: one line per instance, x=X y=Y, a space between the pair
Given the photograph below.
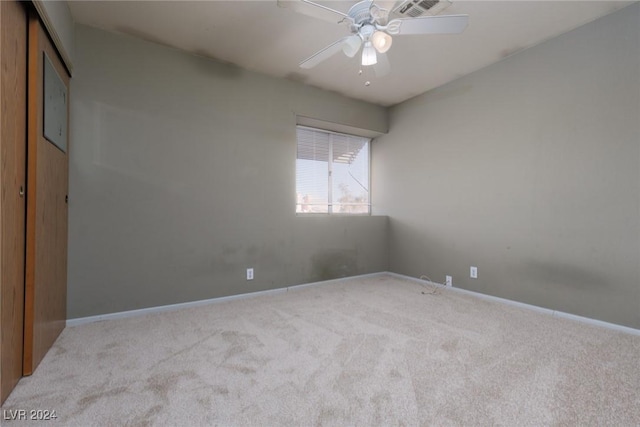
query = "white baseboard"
x=553 y=313
x=173 y=307
x=199 y=303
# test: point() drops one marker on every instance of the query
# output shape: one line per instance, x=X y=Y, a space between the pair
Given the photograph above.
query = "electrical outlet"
x=449 y=281
x=473 y=272
x=249 y=273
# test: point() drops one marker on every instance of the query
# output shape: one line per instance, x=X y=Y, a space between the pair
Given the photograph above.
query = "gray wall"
x=529 y=170
x=182 y=175
x=59 y=22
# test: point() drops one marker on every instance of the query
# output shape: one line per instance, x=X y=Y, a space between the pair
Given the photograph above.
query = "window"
x=332 y=172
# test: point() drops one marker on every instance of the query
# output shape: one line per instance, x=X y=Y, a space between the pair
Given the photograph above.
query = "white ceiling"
x=261 y=36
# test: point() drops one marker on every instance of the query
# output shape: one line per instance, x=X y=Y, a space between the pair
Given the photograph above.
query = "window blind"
x=332 y=172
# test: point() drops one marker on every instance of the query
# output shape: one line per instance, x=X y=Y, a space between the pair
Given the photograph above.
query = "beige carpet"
x=366 y=351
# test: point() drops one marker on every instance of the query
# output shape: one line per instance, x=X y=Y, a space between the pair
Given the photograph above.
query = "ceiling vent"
x=415 y=8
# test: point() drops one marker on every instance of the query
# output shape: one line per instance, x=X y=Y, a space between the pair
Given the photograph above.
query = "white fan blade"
x=439 y=24
x=382 y=67
x=323 y=54
x=314 y=10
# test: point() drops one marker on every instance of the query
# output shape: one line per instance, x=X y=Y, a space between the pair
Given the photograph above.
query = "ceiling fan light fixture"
x=352 y=45
x=369 y=56
x=381 y=41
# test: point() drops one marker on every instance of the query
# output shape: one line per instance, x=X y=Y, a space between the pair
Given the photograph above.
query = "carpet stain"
x=394 y=373
x=148 y=418
x=329 y=416
x=239 y=342
x=162 y=385
x=243 y=354
x=450 y=346
x=205 y=401
x=233 y=351
x=221 y=390
x=92 y=398
x=59 y=351
x=245 y=370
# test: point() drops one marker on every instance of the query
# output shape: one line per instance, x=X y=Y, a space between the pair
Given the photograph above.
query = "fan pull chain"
x=366 y=82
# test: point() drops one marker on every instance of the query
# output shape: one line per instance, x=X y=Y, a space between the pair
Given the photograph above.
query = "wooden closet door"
x=47 y=169
x=13 y=151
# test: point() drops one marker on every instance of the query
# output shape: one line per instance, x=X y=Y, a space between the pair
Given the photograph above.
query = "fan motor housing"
x=361 y=13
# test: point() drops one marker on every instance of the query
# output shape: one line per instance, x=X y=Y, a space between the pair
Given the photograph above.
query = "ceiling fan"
x=372 y=31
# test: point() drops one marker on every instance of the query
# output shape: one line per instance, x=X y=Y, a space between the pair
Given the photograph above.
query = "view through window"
x=332 y=172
